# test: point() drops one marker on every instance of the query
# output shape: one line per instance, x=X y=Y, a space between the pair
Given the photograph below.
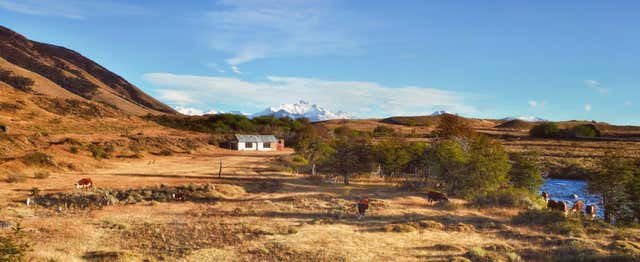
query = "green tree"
x=312 y=147
x=525 y=172
x=469 y=166
x=545 y=130
x=613 y=179
x=392 y=156
x=352 y=155
x=419 y=162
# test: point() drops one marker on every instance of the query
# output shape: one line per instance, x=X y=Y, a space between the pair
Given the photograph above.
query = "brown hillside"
x=433 y=121
x=516 y=124
x=63 y=73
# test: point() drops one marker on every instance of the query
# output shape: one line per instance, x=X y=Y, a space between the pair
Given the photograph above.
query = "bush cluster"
x=551 y=130
x=13 y=246
x=17 y=82
x=101 y=151
x=38 y=159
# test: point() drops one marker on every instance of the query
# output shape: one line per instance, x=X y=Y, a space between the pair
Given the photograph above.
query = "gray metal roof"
x=256 y=138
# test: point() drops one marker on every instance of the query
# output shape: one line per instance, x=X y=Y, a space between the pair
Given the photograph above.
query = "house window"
x=248 y=145
x=266 y=145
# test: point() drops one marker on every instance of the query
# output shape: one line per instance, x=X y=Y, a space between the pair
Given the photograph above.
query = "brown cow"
x=436 y=196
x=84 y=183
x=179 y=196
x=559 y=206
x=578 y=206
x=591 y=211
x=363 y=205
x=545 y=196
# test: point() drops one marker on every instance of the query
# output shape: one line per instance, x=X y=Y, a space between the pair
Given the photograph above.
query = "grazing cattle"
x=179 y=196
x=84 y=183
x=578 y=206
x=545 y=196
x=591 y=211
x=559 y=206
x=363 y=205
x=436 y=196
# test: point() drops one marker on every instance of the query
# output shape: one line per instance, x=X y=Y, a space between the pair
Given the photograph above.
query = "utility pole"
x=220 y=169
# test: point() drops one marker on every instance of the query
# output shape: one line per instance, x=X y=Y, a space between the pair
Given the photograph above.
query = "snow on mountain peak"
x=304 y=109
x=440 y=112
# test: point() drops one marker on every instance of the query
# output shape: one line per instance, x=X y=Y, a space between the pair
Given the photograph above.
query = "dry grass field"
x=256 y=212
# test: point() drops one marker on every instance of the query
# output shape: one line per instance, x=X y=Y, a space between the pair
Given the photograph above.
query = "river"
x=564 y=189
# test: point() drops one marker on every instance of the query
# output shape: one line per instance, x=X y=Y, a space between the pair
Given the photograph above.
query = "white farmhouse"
x=257 y=143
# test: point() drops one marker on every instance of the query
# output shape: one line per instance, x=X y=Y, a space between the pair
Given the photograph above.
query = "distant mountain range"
x=304 y=109
x=526 y=118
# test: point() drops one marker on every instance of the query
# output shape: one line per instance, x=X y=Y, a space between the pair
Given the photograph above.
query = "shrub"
x=17 y=82
x=41 y=175
x=38 y=159
x=477 y=254
x=74 y=149
x=511 y=197
x=545 y=130
x=14 y=247
x=588 y=130
x=165 y=152
x=15 y=177
x=383 y=131
x=538 y=217
x=100 y=152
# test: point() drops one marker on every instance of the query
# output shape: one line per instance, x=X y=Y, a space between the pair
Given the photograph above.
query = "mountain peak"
x=302 y=109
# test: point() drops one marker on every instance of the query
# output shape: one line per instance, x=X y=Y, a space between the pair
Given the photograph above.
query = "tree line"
x=460 y=161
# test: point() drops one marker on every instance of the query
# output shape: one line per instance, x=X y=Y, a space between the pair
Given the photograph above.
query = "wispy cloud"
x=588 y=107
x=595 y=85
x=71 y=9
x=628 y=103
x=359 y=98
x=235 y=69
x=249 y=29
x=533 y=103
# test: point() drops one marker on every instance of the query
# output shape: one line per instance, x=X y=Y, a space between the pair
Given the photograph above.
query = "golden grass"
x=264 y=215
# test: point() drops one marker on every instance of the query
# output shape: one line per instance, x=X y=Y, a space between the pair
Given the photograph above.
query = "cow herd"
x=563 y=206
x=432 y=196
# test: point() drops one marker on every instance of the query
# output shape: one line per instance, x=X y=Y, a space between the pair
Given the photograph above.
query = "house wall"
x=255 y=146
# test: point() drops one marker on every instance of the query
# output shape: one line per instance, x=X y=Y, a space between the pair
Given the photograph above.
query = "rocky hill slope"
x=57 y=72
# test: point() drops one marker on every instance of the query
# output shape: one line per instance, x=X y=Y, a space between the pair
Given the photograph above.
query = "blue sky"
x=558 y=60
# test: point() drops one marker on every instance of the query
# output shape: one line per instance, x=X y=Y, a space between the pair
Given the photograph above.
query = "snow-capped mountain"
x=312 y=112
x=526 y=118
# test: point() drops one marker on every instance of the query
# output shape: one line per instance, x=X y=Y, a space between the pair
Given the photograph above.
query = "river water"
x=564 y=189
